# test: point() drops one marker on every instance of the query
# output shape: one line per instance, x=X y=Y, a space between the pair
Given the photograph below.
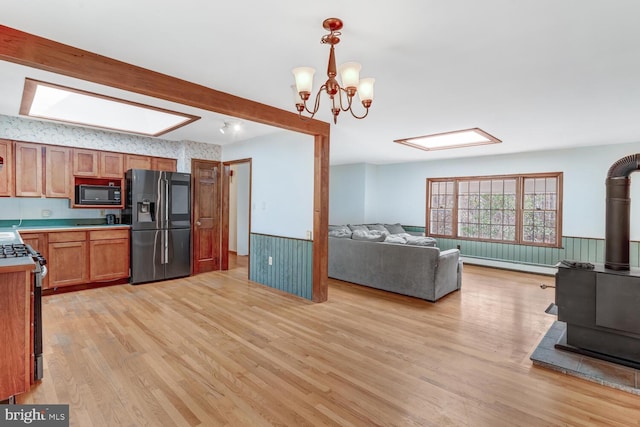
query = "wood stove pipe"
x=618 y=221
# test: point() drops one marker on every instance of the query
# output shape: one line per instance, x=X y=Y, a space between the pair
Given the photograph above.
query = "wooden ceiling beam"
x=41 y=53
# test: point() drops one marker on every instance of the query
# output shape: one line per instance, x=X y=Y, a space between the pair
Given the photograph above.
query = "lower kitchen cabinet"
x=108 y=255
x=67 y=259
x=37 y=241
x=83 y=256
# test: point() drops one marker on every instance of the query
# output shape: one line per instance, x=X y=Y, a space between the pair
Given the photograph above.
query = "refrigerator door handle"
x=155 y=246
x=166 y=246
x=159 y=203
x=166 y=200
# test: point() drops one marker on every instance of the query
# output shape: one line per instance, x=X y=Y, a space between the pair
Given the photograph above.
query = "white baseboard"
x=527 y=268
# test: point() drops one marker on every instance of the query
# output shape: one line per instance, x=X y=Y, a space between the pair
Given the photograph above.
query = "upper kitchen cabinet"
x=135 y=161
x=97 y=164
x=58 y=181
x=111 y=165
x=28 y=169
x=85 y=163
x=163 y=164
x=6 y=168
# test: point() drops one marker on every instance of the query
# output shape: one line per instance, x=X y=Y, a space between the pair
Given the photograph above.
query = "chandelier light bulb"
x=365 y=91
x=350 y=75
x=304 y=79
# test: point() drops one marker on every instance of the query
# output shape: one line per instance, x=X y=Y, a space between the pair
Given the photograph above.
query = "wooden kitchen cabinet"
x=28 y=169
x=85 y=163
x=111 y=165
x=15 y=313
x=163 y=164
x=97 y=164
x=6 y=170
x=58 y=182
x=67 y=258
x=37 y=241
x=108 y=255
x=30 y=159
x=135 y=161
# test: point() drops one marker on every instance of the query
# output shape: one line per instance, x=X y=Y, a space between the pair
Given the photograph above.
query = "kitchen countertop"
x=32 y=228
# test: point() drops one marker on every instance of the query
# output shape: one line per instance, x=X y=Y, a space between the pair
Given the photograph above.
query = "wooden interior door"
x=206 y=215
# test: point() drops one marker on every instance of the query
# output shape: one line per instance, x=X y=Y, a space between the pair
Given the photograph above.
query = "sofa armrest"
x=447 y=273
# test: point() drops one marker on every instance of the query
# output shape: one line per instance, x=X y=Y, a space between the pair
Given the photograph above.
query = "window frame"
x=519 y=220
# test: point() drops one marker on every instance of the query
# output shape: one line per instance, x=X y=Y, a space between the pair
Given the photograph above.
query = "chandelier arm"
x=349 y=100
x=359 y=117
x=316 y=106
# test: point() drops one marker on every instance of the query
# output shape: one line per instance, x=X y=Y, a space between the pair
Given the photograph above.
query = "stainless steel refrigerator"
x=158 y=208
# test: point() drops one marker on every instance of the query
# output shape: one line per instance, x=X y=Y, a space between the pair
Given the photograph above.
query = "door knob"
x=198 y=223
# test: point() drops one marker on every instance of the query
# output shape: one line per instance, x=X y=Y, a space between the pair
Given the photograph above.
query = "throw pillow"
x=371 y=236
x=395 y=239
x=376 y=227
x=340 y=233
x=354 y=227
x=421 y=241
x=395 y=228
x=343 y=228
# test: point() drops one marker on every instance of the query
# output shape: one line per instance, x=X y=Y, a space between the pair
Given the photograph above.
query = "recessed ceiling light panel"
x=447 y=140
x=63 y=104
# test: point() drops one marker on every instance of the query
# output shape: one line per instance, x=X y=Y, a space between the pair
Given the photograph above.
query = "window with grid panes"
x=524 y=209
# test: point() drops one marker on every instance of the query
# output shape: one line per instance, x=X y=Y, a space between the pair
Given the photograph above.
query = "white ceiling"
x=537 y=74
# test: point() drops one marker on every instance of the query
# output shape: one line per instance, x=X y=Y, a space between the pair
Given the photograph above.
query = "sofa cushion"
x=376 y=227
x=394 y=228
x=369 y=235
x=354 y=227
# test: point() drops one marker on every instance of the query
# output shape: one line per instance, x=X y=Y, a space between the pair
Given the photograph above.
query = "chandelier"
x=349 y=74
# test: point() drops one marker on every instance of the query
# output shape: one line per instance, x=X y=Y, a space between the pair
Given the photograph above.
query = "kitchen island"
x=15 y=318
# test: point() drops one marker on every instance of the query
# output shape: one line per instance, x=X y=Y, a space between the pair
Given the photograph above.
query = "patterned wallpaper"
x=28 y=130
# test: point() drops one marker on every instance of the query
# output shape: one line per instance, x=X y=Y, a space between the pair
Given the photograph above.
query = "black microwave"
x=97 y=194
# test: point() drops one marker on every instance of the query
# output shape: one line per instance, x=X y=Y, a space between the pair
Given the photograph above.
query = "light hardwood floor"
x=216 y=350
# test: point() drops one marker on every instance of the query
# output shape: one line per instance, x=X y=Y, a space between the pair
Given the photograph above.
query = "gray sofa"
x=420 y=270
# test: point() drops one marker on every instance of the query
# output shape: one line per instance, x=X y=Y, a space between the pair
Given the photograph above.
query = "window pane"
x=449 y=187
x=509 y=233
x=529 y=186
x=449 y=201
x=496 y=232
x=529 y=201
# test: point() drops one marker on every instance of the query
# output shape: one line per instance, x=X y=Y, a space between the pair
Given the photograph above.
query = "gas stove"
x=20 y=250
x=14 y=250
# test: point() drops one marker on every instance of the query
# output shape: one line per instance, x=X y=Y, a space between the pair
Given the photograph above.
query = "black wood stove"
x=601 y=303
